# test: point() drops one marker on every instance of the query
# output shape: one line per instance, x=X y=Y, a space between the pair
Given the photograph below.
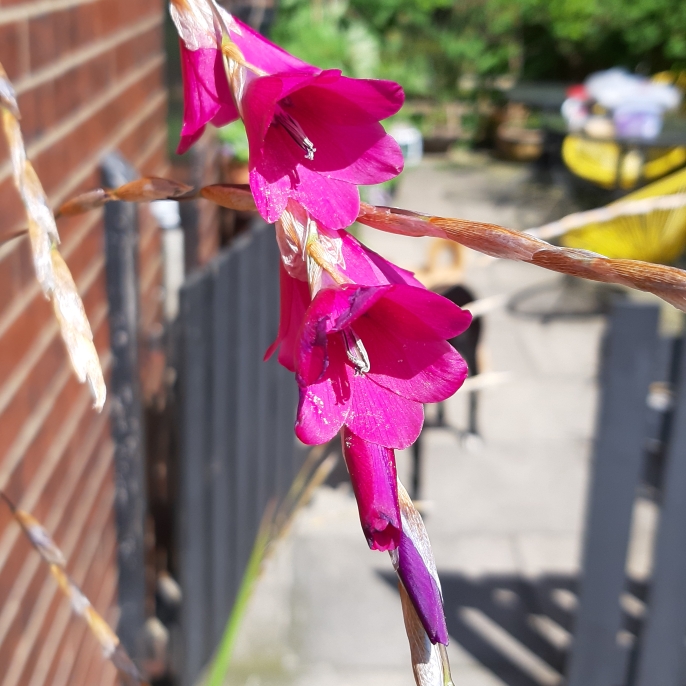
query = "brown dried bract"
x=53 y=557
x=151 y=188
x=85 y=202
x=233 y=196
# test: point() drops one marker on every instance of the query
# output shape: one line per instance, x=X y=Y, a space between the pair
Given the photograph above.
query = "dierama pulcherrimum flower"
x=314 y=134
x=391 y=522
x=370 y=356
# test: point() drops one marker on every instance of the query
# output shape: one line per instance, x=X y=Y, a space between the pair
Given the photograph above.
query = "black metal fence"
x=237 y=446
x=604 y=627
x=640 y=450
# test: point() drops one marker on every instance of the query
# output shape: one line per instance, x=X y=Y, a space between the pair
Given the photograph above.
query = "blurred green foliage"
x=435 y=47
x=234 y=135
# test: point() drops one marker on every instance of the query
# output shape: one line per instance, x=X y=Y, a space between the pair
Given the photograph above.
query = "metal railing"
x=237 y=447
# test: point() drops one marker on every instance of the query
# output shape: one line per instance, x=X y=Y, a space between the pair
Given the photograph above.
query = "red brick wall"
x=89 y=79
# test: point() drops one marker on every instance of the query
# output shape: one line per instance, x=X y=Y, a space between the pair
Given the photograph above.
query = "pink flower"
x=373 y=476
x=206 y=94
x=370 y=356
x=369 y=353
x=314 y=137
x=314 y=134
x=401 y=532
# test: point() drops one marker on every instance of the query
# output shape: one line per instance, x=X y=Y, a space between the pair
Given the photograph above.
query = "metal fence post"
x=627 y=367
x=196 y=387
x=662 y=654
x=126 y=413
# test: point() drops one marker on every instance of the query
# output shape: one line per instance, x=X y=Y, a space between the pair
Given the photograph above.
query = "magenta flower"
x=373 y=476
x=314 y=135
x=369 y=356
x=369 y=353
x=206 y=94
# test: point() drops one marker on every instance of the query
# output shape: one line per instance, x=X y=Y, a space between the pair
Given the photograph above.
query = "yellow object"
x=656 y=236
x=604 y=163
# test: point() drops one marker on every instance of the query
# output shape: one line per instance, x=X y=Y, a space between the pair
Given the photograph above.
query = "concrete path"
x=502 y=510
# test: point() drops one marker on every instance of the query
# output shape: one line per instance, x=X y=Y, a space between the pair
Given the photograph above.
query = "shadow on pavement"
x=519 y=629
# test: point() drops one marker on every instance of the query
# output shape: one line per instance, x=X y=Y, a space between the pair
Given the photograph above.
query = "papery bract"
x=413 y=561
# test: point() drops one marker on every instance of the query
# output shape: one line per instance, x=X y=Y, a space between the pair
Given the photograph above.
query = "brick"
x=13 y=49
x=37 y=43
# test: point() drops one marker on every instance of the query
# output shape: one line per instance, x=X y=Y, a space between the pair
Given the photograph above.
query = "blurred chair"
x=648 y=224
x=616 y=164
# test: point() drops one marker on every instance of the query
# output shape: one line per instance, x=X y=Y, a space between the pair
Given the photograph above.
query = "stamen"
x=355 y=350
x=296 y=132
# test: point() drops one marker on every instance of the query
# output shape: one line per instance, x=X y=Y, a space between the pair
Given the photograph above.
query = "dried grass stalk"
x=51 y=271
x=53 y=557
x=668 y=283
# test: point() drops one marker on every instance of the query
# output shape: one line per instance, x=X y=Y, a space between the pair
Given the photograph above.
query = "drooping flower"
x=374 y=480
x=314 y=134
x=391 y=522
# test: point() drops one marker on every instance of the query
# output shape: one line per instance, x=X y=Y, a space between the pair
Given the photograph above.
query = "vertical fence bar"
x=247 y=404
x=195 y=502
x=662 y=656
x=237 y=443
x=627 y=366
x=126 y=411
x=224 y=408
x=271 y=259
x=264 y=426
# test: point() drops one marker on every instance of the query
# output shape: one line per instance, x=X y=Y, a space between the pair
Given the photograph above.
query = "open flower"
x=369 y=349
x=369 y=356
x=315 y=137
x=314 y=134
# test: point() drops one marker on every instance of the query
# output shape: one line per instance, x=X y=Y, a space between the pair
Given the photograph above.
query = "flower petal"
x=334 y=203
x=427 y=371
x=365 y=267
x=422 y=589
x=262 y=53
x=380 y=416
x=330 y=312
x=373 y=476
x=294 y=300
x=325 y=405
x=206 y=95
x=271 y=197
x=420 y=314
x=373 y=99
x=416 y=568
x=359 y=155
x=277 y=173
